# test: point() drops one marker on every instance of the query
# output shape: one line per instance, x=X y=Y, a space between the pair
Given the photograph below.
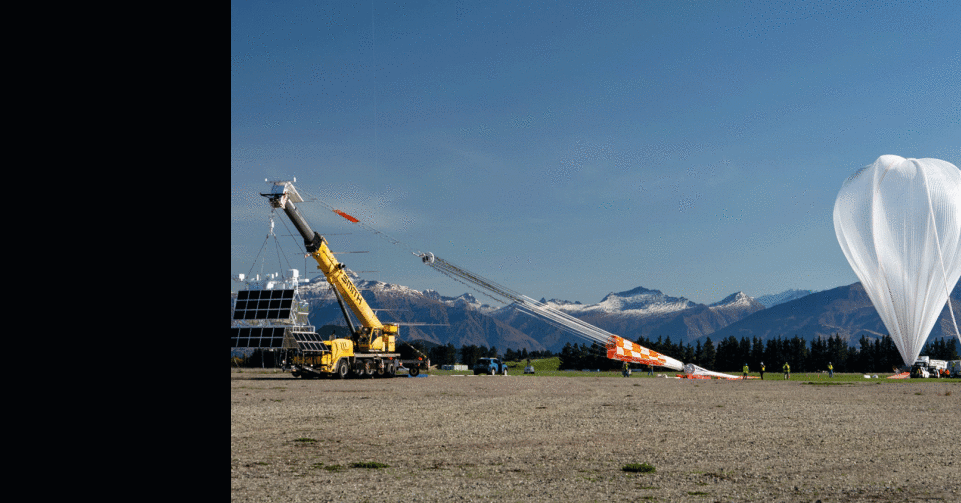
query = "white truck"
x=924 y=366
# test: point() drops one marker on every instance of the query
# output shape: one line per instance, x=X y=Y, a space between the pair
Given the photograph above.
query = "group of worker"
x=626 y=371
x=787 y=370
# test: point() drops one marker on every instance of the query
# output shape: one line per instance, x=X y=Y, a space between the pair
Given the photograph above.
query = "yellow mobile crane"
x=370 y=349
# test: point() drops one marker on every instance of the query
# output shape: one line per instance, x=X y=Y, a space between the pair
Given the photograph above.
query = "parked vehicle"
x=490 y=366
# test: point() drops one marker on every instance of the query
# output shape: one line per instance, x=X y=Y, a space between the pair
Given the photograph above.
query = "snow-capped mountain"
x=635 y=313
x=465 y=320
x=780 y=298
x=637 y=302
x=465 y=300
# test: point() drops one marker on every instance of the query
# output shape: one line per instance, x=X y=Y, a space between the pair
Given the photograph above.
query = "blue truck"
x=491 y=366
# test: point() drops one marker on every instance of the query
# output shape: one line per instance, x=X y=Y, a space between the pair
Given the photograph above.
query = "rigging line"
x=280 y=252
x=554 y=322
x=373 y=46
x=558 y=319
x=257 y=257
x=363 y=225
x=530 y=306
x=472 y=287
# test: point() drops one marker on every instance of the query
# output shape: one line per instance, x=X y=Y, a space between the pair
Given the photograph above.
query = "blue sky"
x=571 y=149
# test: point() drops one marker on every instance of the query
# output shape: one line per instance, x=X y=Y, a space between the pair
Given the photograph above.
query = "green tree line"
x=468 y=355
x=730 y=354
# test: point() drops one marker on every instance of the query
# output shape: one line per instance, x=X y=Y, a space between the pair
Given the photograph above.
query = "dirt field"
x=524 y=438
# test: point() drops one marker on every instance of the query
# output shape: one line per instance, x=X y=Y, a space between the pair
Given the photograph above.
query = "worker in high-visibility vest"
x=745 y=371
x=830 y=370
x=787 y=371
x=762 y=371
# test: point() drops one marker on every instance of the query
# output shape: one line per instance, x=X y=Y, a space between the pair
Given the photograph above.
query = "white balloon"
x=899 y=224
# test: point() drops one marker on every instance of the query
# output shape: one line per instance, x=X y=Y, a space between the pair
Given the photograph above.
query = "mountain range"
x=845 y=311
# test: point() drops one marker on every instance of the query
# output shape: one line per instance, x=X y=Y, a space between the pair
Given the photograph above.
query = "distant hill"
x=780 y=298
x=846 y=311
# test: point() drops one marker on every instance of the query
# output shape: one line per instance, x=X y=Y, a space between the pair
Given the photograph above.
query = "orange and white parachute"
x=624 y=350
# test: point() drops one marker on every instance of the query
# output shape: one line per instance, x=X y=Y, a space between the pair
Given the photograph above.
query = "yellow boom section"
x=334 y=271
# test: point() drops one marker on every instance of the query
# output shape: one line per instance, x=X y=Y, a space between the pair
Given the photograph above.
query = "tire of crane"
x=390 y=369
x=381 y=369
x=413 y=371
x=368 y=370
x=357 y=370
x=341 y=370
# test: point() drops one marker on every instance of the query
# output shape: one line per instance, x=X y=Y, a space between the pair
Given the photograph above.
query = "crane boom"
x=373 y=335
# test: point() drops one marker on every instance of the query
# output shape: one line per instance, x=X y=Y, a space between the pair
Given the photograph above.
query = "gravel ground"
x=527 y=438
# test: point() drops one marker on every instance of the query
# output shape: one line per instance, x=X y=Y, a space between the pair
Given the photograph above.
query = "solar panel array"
x=309 y=341
x=257 y=337
x=263 y=304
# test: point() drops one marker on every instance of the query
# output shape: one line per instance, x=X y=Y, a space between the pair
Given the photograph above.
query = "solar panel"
x=257 y=337
x=264 y=304
x=309 y=341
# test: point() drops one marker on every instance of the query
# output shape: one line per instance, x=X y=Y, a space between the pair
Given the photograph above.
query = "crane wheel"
x=342 y=369
x=413 y=371
x=368 y=370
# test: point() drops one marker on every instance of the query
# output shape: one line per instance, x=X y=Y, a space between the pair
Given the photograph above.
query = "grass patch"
x=305 y=440
x=329 y=468
x=697 y=493
x=369 y=464
x=638 y=468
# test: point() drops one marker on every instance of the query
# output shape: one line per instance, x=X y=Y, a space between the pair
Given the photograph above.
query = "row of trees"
x=870 y=355
x=448 y=354
x=730 y=354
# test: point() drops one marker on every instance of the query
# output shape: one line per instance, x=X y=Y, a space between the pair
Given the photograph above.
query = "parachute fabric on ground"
x=693 y=370
x=898 y=222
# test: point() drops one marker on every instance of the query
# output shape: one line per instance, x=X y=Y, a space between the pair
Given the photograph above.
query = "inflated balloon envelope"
x=898 y=222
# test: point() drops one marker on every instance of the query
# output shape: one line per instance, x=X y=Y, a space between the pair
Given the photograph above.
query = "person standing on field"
x=787 y=371
x=830 y=370
x=745 y=369
x=762 y=371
